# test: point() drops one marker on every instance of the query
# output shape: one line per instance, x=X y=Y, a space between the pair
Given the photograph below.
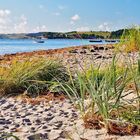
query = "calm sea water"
x=9 y=46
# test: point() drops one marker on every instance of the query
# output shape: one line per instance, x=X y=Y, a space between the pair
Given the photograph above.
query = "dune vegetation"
x=31 y=77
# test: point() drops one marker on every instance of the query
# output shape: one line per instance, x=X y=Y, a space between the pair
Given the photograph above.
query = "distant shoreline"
x=67 y=35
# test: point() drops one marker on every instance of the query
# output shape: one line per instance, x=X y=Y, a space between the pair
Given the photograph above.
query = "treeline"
x=68 y=35
x=71 y=35
x=79 y=35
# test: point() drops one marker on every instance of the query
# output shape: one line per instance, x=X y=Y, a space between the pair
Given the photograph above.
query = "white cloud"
x=75 y=17
x=4 y=20
x=40 y=28
x=3 y=29
x=84 y=28
x=9 y=24
x=21 y=27
x=4 y=13
x=104 y=27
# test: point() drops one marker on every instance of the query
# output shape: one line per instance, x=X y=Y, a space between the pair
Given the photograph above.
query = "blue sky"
x=18 y=16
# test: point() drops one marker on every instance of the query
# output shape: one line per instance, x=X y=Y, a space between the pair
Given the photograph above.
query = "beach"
x=52 y=117
x=53 y=120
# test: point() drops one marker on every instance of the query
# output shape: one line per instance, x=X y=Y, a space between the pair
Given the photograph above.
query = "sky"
x=22 y=16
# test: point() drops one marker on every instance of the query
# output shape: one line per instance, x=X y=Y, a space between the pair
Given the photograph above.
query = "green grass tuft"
x=31 y=77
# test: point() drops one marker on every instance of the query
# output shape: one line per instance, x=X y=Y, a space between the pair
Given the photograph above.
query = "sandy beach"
x=53 y=120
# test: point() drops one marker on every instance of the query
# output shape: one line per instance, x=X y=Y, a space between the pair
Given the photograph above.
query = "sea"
x=11 y=46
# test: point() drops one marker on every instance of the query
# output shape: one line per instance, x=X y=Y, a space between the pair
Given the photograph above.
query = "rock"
x=49 y=118
x=49 y=114
x=44 y=127
x=59 y=124
x=73 y=51
x=17 y=125
x=47 y=109
x=73 y=110
x=66 y=113
x=28 y=114
x=74 y=115
x=12 y=129
x=96 y=53
x=29 y=123
x=34 y=109
x=99 y=48
x=48 y=130
x=26 y=120
x=6 y=127
x=8 y=122
x=37 y=121
x=2 y=119
x=83 y=52
x=32 y=128
x=39 y=136
x=5 y=122
x=99 y=57
x=92 y=50
x=9 y=106
x=14 y=109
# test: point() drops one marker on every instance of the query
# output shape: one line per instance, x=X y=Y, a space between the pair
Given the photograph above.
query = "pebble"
x=38 y=122
x=38 y=136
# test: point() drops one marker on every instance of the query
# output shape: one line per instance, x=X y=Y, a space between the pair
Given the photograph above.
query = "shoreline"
x=51 y=51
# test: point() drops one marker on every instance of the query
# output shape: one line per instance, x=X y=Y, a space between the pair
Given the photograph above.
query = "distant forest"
x=68 y=35
x=80 y=35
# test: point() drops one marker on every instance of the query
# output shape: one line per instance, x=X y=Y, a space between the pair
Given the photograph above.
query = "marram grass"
x=130 y=40
x=31 y=77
